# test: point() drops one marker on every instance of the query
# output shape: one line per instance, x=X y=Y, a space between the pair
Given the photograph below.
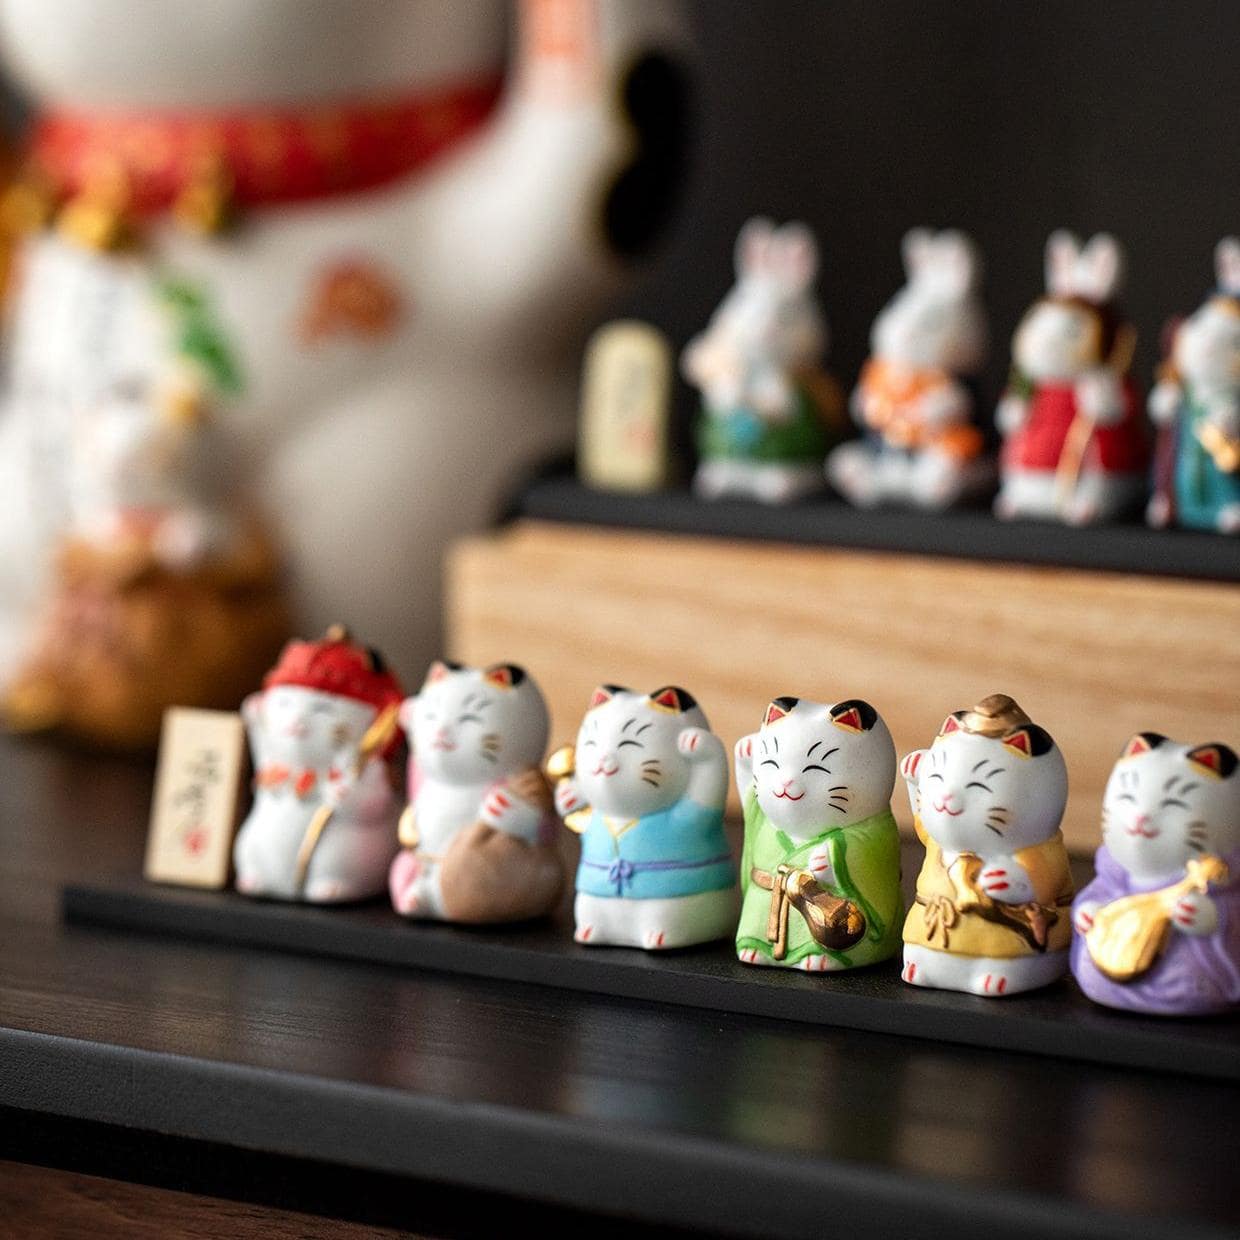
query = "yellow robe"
x=946 y=914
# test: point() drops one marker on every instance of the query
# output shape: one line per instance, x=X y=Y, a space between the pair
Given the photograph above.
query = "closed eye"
x=637 y=743
x=770 y=762
x=1126 y=796
x=469 y=717
x=813 y=766
x=937 y=776
x=1173 y=801
x=587 y=744
x=975 y=784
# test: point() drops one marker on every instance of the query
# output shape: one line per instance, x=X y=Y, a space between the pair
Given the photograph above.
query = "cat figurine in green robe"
x=820 y=872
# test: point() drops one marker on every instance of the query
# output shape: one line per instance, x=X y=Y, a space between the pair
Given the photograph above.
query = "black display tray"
x=968 y=534
x=1058 y=1021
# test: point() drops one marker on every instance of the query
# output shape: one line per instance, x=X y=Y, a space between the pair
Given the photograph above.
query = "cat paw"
x=583 y=934
x=814 y=964
x=406 y=902
x=326 y=891
x=989 y=984
x=1082 y=512
x=820 y=865
x=914 y=975
x=1005 y=507
x=654 y=940
x=1083 y=918
x=1195 y=914
x=249 y=884
x=748 y=955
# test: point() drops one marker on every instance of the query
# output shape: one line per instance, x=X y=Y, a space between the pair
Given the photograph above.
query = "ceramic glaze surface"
x=1075 y=446
x=322 y=827
x=647 y=800
x=820 y=873
x=991 y=913
x=478 y=834
x=769 y=413
x=914 y=400
x=387 y=340
x=1168 y=808
x=1196 y=405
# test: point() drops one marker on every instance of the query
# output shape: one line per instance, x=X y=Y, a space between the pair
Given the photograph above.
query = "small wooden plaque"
x=625 y=404
x=197 y=793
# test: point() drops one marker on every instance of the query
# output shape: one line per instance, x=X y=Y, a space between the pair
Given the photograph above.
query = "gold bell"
x=205 y=204
x=97 y=216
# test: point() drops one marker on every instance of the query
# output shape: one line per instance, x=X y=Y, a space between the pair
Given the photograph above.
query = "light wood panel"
x=1092 y=657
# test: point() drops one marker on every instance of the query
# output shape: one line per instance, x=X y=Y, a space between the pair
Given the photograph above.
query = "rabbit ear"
x=956 y=264
x=916 y=249
x=1227 y=266
x=753 y=246
x=794 y=257
x=1100 y=268
x=1062 y=252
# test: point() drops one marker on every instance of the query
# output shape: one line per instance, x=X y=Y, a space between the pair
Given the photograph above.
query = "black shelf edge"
x=706 y=1184
x=1058 y=1022
x=970 y=534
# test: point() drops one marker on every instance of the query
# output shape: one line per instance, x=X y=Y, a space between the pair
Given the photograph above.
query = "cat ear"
x=854 y=715
x=1030 y=741
x=441 y=669
x=505 y=675
x=672 y=699
x=951 y=723
x=909 y=764
x=604 y=693
x=1215 y=759
x=1142 y=742
x=778 y=708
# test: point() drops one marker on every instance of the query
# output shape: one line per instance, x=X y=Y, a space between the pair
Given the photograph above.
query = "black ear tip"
x=785 y=703
x=864 y=711
x=1152 y=739
x=1040 y=740
x=667 y=694
x=516 y=673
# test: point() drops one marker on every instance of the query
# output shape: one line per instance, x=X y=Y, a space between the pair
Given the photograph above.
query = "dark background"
x=1008 y=118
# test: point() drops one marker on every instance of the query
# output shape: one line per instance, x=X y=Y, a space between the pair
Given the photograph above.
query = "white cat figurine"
x=991 y=915
x=479 y=833
x=1158 y=929
x=647 y=800
x=914 y=399
x=400 y=254
x=820 y=872
x=322 y=732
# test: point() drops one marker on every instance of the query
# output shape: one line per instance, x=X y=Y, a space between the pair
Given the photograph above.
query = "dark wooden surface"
x=324 y=1070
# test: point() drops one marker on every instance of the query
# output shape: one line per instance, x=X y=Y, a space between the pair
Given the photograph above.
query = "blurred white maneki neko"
x=397 y=238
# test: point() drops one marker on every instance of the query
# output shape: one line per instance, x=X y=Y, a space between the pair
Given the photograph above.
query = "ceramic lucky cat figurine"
x=1196 y=405
x=991 y=914
x=1158 y=929
x=914 y=399
x=323 y=733
x=479 y=834
x=820 y=872
x=769 y=412
x=1075 y=446
x=646 y=796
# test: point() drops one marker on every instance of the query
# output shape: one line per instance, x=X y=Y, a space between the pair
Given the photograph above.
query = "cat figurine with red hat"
x=323 y=733
x=1075 y=447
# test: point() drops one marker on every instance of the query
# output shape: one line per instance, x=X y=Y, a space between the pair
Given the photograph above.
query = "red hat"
x=336 y=664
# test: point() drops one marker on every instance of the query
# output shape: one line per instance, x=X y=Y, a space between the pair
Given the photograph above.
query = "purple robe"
x=1194 y=976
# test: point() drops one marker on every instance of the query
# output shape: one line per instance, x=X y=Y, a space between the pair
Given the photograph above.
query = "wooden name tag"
x=197 y=793
x=625 y=403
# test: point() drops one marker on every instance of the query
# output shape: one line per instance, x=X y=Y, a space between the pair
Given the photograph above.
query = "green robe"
x=865 y=863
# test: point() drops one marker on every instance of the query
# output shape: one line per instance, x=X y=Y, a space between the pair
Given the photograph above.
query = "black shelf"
x=825 y=522
x=1058 y=1021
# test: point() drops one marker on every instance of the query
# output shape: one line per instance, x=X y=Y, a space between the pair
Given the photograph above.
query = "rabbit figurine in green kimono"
x=820 y=873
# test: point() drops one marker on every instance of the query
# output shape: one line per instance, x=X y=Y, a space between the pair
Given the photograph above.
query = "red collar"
x=269 y=154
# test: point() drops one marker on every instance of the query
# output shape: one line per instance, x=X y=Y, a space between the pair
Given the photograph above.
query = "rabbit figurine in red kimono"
x=1075 y=445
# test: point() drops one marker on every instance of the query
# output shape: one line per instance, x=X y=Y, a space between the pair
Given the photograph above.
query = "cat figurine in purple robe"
x=1170 y=812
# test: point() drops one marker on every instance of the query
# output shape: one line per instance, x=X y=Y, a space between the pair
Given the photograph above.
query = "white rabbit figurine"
x=769 y=413
x=914 y=397
x=1075 y=446
x=1196 y=405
